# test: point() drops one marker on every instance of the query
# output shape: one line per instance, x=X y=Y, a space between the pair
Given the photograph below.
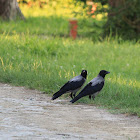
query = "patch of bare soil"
x=29 y=114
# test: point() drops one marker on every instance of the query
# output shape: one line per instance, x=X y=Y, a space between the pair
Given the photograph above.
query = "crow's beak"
x=107 y=72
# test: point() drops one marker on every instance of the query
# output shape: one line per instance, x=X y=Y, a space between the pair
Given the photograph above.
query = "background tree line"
x=123 y=15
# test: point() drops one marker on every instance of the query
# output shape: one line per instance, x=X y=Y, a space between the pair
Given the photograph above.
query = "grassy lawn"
x=51 y=26
x=37 y=53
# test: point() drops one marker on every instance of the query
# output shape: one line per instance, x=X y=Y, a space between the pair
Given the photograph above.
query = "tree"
x=123 y=18
x=9 y=10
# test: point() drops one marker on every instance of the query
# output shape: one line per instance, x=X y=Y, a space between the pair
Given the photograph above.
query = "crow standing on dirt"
x=72 y=85
x=93 y=87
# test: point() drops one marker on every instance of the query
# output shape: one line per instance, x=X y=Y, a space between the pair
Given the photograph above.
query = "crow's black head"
x=84 y=73
x=103 y=73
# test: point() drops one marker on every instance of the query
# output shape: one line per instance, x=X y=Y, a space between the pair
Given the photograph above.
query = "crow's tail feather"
x=57 y=94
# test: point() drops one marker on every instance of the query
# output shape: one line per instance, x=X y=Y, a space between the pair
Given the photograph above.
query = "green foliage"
x=67 y=8
x=123 y=19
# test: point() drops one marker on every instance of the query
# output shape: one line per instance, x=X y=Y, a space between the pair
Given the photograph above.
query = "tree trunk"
x=9 y=10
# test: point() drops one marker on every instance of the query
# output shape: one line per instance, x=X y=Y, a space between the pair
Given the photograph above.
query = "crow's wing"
x=72 y=85
x=89 y=89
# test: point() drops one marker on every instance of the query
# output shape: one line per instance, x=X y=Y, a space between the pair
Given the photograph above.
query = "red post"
x=73 y=28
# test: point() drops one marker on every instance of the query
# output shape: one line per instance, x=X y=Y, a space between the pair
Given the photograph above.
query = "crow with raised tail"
x=72 y=85
x=93 y=87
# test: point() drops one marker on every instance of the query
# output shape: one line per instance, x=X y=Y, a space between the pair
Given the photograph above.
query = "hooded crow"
x=72 y=85
x=93 y=87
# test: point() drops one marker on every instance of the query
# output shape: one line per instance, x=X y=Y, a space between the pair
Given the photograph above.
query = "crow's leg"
x=90 y=97
x=71 y=95
x=74 y=94
x=93 y=97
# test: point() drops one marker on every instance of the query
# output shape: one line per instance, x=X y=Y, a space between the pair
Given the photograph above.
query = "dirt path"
x=30 y=115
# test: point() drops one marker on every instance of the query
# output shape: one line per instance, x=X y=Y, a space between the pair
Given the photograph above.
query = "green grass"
x=51 y=26
x=37 y=25
x=47 y=63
